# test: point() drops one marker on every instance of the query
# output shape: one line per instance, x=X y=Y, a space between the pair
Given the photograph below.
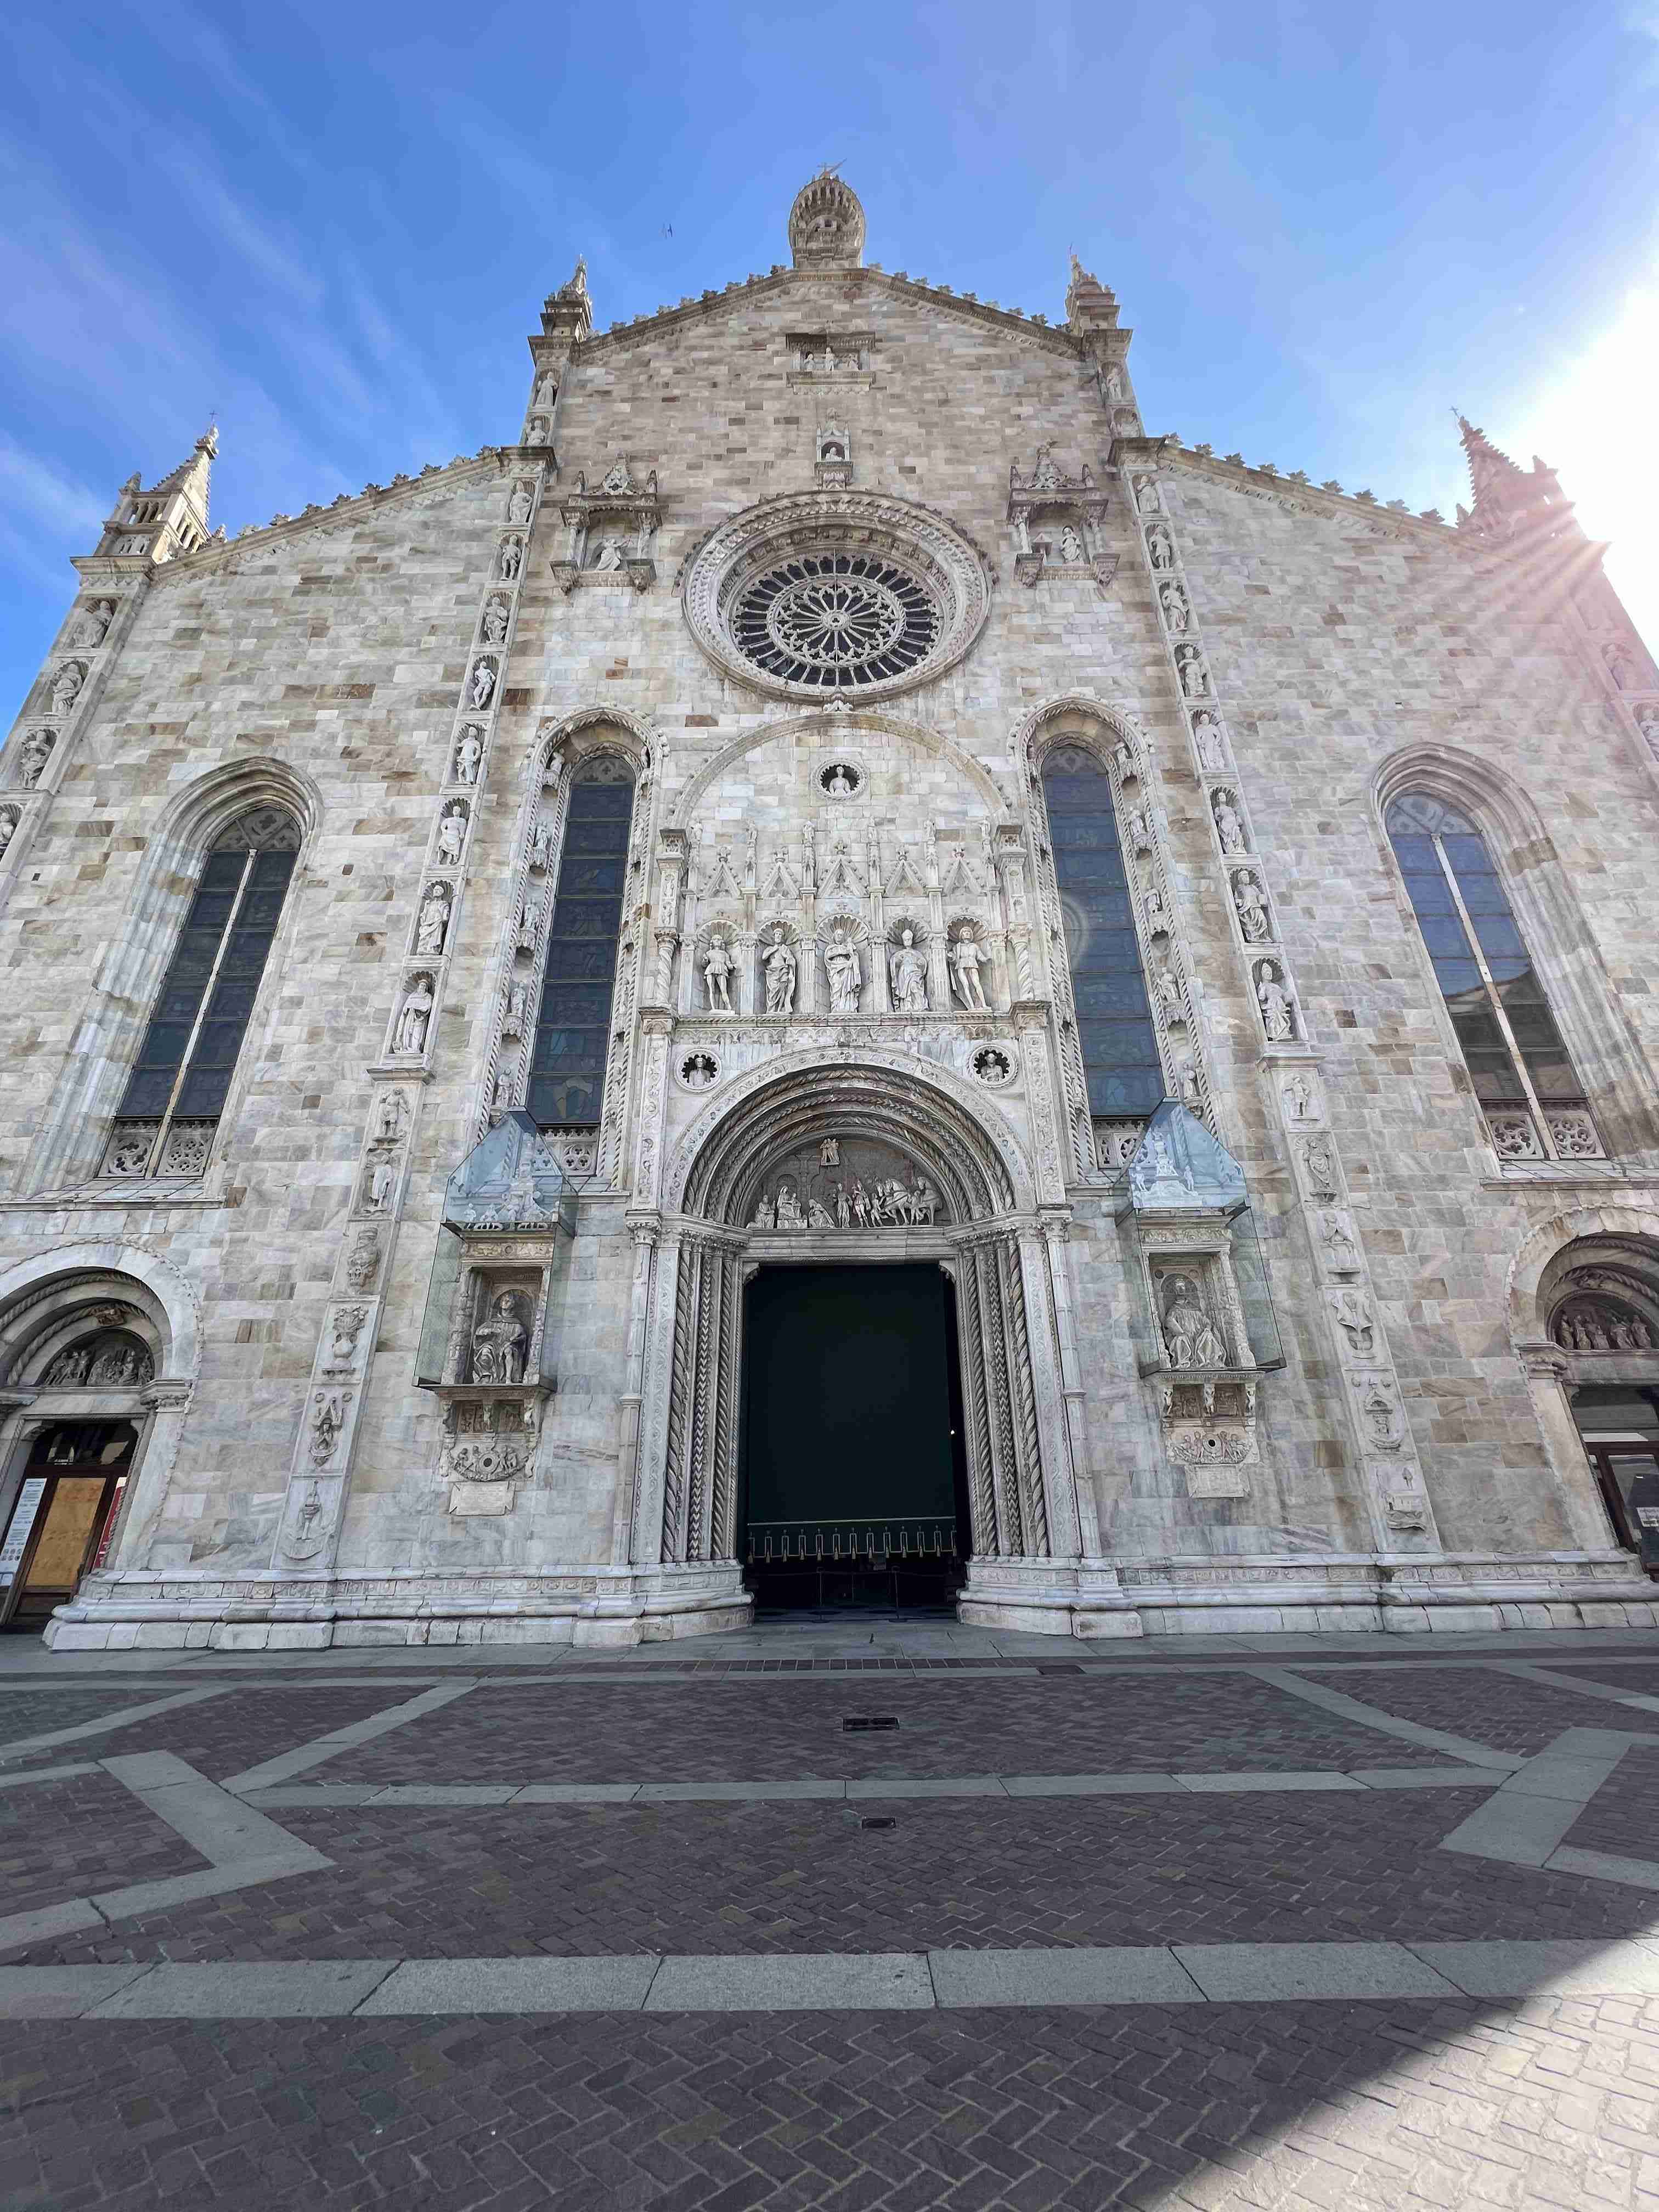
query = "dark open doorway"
x=854 y=1483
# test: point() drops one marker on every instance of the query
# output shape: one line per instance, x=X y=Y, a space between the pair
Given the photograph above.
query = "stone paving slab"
x=238 y=1727
x=64 y=1838
x=1496 y=1708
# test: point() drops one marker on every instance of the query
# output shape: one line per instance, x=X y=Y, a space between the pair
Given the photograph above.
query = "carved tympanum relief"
x=846 y=1182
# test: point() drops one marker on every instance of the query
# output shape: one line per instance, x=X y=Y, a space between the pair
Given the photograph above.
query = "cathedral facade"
x=840 y=969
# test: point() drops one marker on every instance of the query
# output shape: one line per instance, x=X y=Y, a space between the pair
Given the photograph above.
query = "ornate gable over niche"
x=826 y=225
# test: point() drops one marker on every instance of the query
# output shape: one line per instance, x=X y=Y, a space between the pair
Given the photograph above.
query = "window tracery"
x=1517 y=1059
x=579 y=970
x=176 y=1091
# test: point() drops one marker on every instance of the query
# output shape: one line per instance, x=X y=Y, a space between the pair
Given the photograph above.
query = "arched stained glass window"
x=1121 y=1061
x=177 y=1090
x=1522 y=1073
x=573 y=1024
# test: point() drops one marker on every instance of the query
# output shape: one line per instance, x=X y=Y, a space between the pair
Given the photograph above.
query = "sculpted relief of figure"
x=1193 y=681
x=468 y=751
x=717 y=967
x=7 y=828
x=89 y=629
x=415 y=1014
x=1147 y=498
x=1274 y=1001
x=612 y=555
x=32 y=758
x=908 y=969
x=779 y=965
x=1230 y=823
x=482 y=689
x=512 y=556
x=452 y=834
x=496 y=615
x=967 y=954
x=1175 y=607
x=1211 y=749
x=66 y=687
x=434 y=923
x=1070 y=545
x=500 y=1343
x=1252 y=907
x=1160 y=547
x=842 y=967
x=1192 y=1337
x=518 y=506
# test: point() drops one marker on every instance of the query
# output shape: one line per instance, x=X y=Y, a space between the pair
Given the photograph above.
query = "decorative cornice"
x=1295 y=495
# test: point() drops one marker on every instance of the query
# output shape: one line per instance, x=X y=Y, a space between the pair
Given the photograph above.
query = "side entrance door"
x=62 y=1518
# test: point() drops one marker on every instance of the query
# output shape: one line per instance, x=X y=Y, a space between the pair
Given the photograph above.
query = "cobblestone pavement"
x=1212 y=1806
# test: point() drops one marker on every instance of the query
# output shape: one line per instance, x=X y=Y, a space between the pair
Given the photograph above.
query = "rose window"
x=835 y=620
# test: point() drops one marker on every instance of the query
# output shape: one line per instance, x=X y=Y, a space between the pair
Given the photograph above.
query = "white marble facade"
x=829 y=651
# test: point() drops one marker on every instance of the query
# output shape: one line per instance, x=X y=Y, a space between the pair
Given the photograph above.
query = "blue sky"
x=334 y=226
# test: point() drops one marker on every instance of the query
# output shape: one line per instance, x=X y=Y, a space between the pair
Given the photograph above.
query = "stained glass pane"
x=1122 y=1071
x=573 y=1026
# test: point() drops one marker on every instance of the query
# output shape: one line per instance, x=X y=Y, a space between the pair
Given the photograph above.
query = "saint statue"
x=717 y=976
x=1211 y=751
x=381 y=1176
x=1188 y=1331
x=1070 y=545
x=66 y=688
x=1159 y=545
x=434 y=922
x=779 y=965
x=840 y=785
x=512 y=553
x=1275 y=1003
x=33 y=755
x=611 y=554
x=520 y=504
x=483 y=684
x=908 y=970
x=789 y=1213
x=1175 y=608
x=468 y=751
x=966 y=956
x=765 y=1214
x=416 y=1011
x=89 y=630
x=8 y=830
x=841 y=965
x=494 y=623
x=1229 y=826
x=500 y=1344
x=452 y=830
x=1194 y=682
x=1252 y=907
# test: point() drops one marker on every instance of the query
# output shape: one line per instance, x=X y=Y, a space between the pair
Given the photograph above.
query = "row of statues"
x=116 y=1366
x=1590 y=1330
x=907 y=972
x=884 y=1202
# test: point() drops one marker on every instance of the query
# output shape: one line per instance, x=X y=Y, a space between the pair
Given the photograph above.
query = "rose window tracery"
x=835 y=619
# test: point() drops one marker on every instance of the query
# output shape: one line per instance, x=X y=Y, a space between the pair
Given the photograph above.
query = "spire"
x=1090 y=305
x=192 y=478
x=1505 y=498
x=567 y=313
x=171 y=517
x=1490 y=467
x=826 y=224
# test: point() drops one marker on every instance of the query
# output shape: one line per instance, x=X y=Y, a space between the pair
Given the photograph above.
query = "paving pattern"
x=947 y=2012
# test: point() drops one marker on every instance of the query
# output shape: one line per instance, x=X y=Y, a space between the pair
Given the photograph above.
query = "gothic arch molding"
x=35 y=1292
x=1585 y=1232
x=872 y=719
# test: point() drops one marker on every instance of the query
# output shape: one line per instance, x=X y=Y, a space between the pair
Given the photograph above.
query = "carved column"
x=975 y=1409
x=700 y=1432
x=1055 y=1233
x=1030 y=1018
x=1547 y=1368
x=645 y=1235
x=656 y=1029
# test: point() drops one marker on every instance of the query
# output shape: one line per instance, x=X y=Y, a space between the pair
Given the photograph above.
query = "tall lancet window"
x=573 y=1026
x=1114 y=1018
x=176 y=1092
x=1517 y=1061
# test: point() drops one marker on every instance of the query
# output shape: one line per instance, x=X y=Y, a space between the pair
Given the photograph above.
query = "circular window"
x=835 y=593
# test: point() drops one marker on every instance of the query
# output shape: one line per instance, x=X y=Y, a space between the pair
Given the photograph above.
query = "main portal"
x=853 y=1474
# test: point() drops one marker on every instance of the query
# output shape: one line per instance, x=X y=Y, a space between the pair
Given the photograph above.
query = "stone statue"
x=1190 y=1333
x=89 y=631
x=8 y=830
x=547 y=389
x=1275 y=1003
x=1071 y=544
x=70 y=1369
x=843 y=1208
x=1252 y=907
x=908 y=970
x=389 y=1121
x=1230 y=824
x=1298 y=1099
x=846 y=974
x=789 y=1215
x=1212 y=751
x=830 y=1152
x=1353 y=1317
x=429 y=930
x=381 y=1176
x=818 y=1215
x=66 y=687
x=415 y=1013
x=500 y=1343
x=483 y=688
x=1157 y=913
x=537 y=431
x=1648 y=726
x=612 y=555
x=1334 y=1227
x=966 y=956
x=766 y=1213
x=1160 y=547
x=699 y=1071
x=468 y=751
x=494 y=623
x=840 y=785
x=512 y=555
x=518 y=506
x=452 y=834
x=1175 y=607
x=1317 y=1158
x=1147 y=499
x=517 y=1010
x=1125 y=760
x=32 y=758
x=1194 y=682
x=779 y=965
x=717 y=967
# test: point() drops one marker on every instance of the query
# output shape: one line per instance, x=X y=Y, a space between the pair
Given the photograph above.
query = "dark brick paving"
x=1623 y=1818
x=764 y=1730
x=1503 y=1710
x=689 y=1878
x=224 y=1735
x=1375 y=2107
x=60 y=1840
x=1641 y=1681
x=29 y=1712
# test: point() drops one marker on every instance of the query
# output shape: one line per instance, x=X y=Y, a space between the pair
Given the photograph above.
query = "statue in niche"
x=699 y=1071
x=1157 y=913
x=1212 y=751
x=1147 y=498
x=1168 y=988
x=89 y=630
x=1252 y=907
x=8 y=830
x=452 y=834
x=429 y=930
x=1353 y=1318
x=1299 y=1099
x=518 y=506
x=1648 y=726
x=908 y=970
x=415 y=1014
x=1339 y=1239
x=1194 y=682
x=66 y=687
x=537 y=431
x=1274 y=1001
x=389 y=1121
x=500 y=1343
x=1230 y=823
x=1124 y=760
x=1160 y=547
x=32 y=758
x=789 y=1215
x=846 y=974
x=967 y=956
x=517 y=1010
x=1191 y=1336
x=495 y=622
x=1175 y=607
x=382 y=1174
x=1317 y=1158
x=717 y=967
x=468 y=751
x=780 y=966
x=840 y=784
x=512 y=556
x=1071 y=544
x=612 y=555
x=547 y=389
x=483 y=688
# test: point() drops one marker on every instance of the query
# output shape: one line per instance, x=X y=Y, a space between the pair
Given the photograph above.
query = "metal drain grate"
x=1068 y=1667
x=878 y=1821
x=871 y=1721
